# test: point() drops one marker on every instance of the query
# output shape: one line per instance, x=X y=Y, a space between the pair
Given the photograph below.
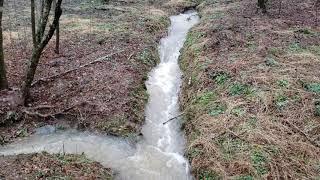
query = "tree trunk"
x=33 y=24
x=262 y=5
x=44 y=40
x=57 y=35
x=3 y=77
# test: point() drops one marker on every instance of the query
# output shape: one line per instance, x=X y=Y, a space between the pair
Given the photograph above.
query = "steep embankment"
x=251 y=91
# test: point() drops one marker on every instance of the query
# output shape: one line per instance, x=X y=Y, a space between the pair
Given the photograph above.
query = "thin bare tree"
x=42 y=41
x=3 y=77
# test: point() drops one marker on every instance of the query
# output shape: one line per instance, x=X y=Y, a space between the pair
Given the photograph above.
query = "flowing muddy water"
x=159 y=154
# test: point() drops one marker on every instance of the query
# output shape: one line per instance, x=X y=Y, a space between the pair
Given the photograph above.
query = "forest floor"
x=251 y=93
x=97 y=81
x=46 y=166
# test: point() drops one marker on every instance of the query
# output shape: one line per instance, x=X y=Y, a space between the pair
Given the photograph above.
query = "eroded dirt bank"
x=251 y=91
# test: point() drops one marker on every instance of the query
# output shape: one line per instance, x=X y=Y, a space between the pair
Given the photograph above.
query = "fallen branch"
x=171 y=119
x=75 y=69
x=296 y=129
x=51 y=115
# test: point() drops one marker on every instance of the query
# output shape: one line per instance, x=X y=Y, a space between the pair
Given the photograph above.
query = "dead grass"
x=251 y=92
x=46 y=166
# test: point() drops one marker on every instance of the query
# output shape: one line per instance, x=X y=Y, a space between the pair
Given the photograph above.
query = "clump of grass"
x=239 y=89
x=295 y=48
x=217 y=109
x=281 y=101
x=305 y=31
x=259 y=160
x=221 y=78
x=231 y=146
x=283 y=83
x=313 y=87
x=206 y=97
x=270 y=61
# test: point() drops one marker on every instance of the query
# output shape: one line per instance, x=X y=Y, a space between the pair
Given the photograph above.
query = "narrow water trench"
x=159 y=155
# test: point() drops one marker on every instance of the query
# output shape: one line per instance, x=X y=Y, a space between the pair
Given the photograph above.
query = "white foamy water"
x=159 y=155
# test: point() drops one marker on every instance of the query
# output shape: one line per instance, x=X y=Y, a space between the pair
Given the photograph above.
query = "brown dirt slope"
x=106 y=95
x=251 y=91
x=46 y=166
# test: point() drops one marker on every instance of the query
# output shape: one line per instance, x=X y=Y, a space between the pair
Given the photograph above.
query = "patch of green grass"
x=281 y=101
x=252 y=46
x=252 y=122
x=313 y=87
x=209 y=175
x=283 y=83
x=221 y=78
x=146 y=57
x=260 y=161
x=239 y=89
x=193 y=37
x=194 y=152
x=230 y=146
x=295 y=48
x=217 y=109
x=238 y=111
x=206 y=97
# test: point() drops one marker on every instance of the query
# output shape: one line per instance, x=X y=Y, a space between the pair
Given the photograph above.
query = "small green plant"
x=239 y=89
x=221 y=78
x=206 y=97
x=217 y=109
x=313 y=87
x=283 y=83
x=259 y=160
x=295 y=48
x=281 y=101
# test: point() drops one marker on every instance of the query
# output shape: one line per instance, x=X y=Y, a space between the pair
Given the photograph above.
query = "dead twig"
x=171 y=119
x=75 y=69
x=297 y=130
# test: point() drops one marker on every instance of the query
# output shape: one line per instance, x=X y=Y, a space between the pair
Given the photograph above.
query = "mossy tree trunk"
x=3 y=77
